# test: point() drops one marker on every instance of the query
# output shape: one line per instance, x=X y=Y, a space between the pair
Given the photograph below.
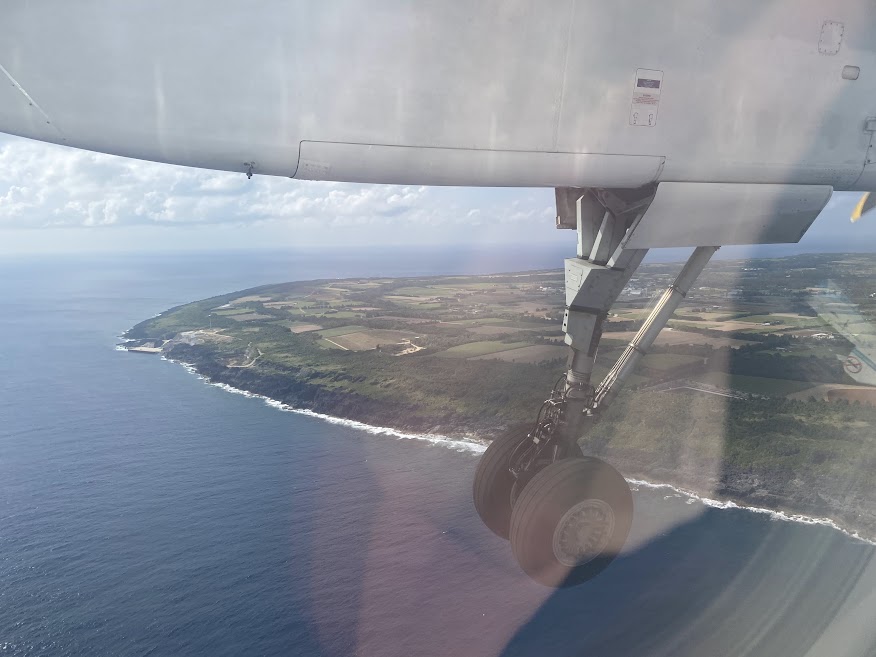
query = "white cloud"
x=56 y=199
x=45 y=186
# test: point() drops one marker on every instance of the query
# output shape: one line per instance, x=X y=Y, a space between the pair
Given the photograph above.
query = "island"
x=744 y=396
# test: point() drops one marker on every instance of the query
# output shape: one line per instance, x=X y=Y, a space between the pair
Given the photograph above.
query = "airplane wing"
x=532 y=93
x=846 y=319
x=861 y=367
x=864 y=206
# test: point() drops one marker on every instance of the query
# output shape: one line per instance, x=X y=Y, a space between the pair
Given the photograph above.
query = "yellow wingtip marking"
x=859 y=207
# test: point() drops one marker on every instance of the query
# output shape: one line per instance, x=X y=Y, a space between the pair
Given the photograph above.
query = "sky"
x=55 y=199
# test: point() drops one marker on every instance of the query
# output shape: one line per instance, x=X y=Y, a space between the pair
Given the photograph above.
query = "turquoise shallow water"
x=144 y=512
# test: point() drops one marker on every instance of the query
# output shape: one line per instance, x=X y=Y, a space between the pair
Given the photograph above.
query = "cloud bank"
x=45 y=186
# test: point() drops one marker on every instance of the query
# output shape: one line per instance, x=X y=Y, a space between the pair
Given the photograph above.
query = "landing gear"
x=568 y=516
x=493 y=483
x=495 y=489
x=571 y=521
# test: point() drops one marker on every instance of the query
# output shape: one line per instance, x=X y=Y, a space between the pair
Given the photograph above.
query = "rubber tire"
x=541 y=505
x=492 y=484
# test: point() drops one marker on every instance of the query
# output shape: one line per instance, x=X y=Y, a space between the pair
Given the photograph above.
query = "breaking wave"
x=467 y=444
x=782 y=516
x=474 y=445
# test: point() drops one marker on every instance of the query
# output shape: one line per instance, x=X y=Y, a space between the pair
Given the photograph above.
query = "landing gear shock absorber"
x=546 y=443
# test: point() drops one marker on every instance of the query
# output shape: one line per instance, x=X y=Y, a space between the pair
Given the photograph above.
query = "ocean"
x=143 y=512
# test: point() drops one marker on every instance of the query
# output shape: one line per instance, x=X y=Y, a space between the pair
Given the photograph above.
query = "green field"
x=470 y=349
x=477 y=322
x=415 y=364
x=325 y=344
x=341 y=330
x=755 y=384
x=301 y=327
x=343 y=314
x=780 y=321
x=426 y=291
x=232 y=311
x=668 y=361
x=674 y=323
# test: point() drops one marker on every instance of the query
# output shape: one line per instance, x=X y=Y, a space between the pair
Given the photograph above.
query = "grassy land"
x=755 y=384
x=414 y=363
x=535 y=353
x=668 y=361
x=471 y=349
x=426 y=291
x=431 y=373
x=341 y=330
x=478 y=322
x=232 y=311
x=796 y=322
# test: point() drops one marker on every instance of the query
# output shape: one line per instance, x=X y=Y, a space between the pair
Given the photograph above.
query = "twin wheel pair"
x=566 y=522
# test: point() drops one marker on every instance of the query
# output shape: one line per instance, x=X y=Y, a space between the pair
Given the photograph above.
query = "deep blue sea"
x=143 y=512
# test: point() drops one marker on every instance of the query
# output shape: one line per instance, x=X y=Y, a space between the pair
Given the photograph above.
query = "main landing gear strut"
x=567 y=516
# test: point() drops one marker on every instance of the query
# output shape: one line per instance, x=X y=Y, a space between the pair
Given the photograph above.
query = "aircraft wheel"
x=493 y=483
x=523 y=482
x=571 y=521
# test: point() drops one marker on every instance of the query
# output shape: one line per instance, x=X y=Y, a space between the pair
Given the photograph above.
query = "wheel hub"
x=583 y=532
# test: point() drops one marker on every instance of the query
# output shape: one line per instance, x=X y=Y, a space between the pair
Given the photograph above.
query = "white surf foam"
x=782 y=516
x=476 y=446
x=466 y=444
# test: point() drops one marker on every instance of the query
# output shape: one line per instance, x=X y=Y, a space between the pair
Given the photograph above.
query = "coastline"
x=774 y=514
x=472 y=442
